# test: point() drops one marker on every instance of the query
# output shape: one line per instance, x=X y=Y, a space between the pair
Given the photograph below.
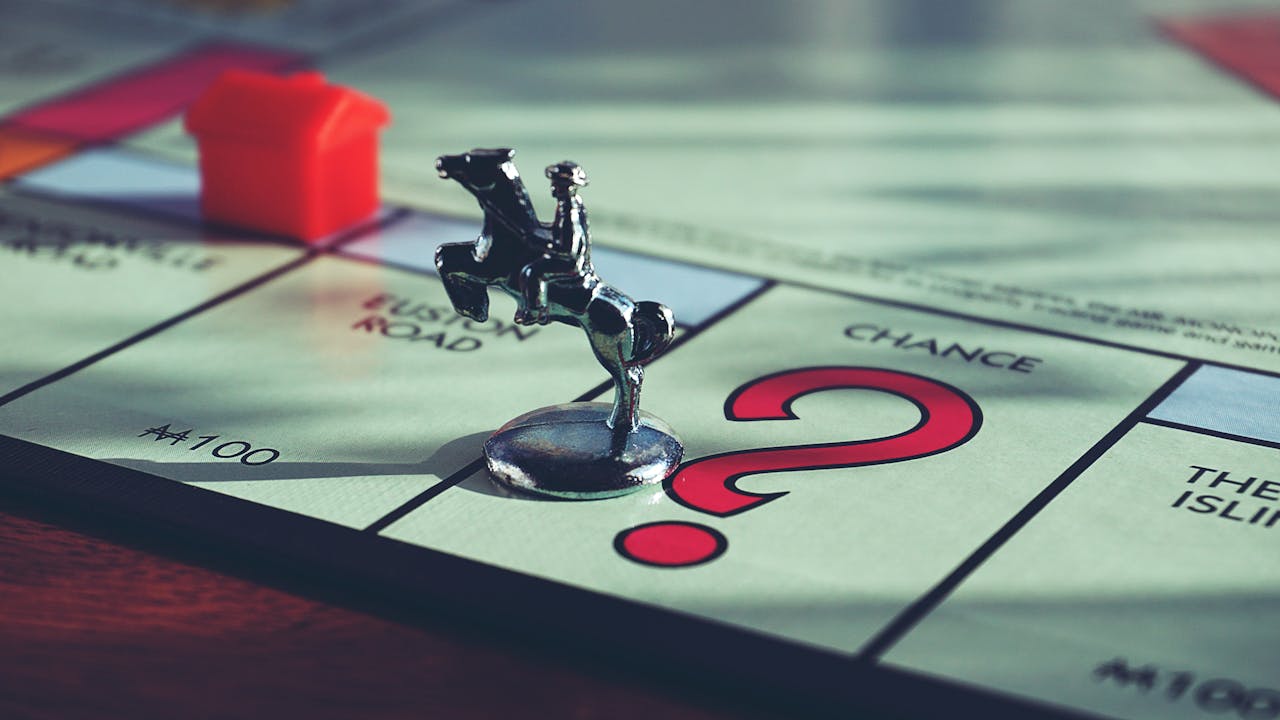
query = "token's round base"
x=568 y=451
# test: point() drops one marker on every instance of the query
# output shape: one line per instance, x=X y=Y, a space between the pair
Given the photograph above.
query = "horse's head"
x=492 y=177
x=481 y=168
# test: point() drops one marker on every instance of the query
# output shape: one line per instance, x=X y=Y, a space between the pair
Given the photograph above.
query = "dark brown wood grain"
x=93 y=627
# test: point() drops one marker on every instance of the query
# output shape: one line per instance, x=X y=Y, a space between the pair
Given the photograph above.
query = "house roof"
x=299 y=109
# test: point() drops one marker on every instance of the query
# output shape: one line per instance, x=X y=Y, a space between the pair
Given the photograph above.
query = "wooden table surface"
x=99 y=624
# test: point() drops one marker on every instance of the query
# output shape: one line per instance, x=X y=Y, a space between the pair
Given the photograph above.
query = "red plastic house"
x=289 y=155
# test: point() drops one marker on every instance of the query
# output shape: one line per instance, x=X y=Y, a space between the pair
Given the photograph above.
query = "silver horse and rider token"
x=575 y=450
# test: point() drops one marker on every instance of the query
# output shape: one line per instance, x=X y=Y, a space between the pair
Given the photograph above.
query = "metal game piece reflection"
x=576 y=450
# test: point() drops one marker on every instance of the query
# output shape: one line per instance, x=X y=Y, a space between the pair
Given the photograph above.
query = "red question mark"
x=948 y=418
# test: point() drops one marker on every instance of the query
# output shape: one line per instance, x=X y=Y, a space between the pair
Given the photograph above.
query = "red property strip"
x=1246 y=45
x=148 y=95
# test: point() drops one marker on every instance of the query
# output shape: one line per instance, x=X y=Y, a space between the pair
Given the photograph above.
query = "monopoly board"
x=978 y=362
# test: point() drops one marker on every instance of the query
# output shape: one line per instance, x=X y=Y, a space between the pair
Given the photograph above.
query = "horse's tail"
x=655 y=329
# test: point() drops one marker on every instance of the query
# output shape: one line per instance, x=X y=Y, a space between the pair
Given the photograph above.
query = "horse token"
x=578 y=450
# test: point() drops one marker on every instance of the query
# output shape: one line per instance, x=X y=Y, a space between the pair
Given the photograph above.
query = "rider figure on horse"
x=566 y=259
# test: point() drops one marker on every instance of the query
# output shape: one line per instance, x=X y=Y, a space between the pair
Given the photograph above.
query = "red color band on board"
x=1245 y=45
x=145 y=96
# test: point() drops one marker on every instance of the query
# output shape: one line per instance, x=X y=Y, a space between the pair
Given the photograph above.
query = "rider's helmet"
x=566 y=174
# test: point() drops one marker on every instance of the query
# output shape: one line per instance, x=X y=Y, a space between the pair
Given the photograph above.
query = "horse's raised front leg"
x=457 y=264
